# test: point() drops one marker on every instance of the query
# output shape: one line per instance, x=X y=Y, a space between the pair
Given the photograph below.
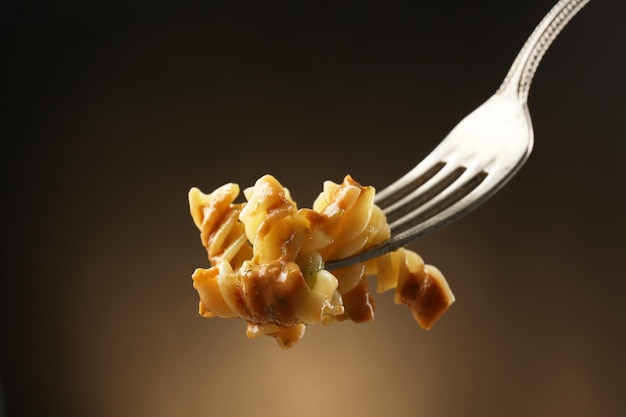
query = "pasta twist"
x=267 y=260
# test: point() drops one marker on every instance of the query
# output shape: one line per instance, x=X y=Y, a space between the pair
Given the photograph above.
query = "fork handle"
x=521 y=73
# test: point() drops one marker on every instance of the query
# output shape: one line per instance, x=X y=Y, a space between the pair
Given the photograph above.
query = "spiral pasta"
x=267 y=260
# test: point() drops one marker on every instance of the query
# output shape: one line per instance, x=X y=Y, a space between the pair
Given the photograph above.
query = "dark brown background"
x=115 y=109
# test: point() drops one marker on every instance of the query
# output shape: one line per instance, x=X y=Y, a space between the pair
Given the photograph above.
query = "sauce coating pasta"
x=267 y=260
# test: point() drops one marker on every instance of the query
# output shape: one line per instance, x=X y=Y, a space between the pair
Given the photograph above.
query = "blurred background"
x=114 y=109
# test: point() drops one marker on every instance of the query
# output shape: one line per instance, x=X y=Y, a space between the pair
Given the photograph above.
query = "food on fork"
x=267 y=260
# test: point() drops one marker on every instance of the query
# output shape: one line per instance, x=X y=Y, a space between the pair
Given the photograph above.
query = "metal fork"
x=479 y=156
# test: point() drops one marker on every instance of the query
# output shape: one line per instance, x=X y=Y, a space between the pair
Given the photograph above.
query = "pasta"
x=267 y=260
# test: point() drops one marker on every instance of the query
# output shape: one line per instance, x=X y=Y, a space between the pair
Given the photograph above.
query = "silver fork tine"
x=436 y=214
x=420 y=224
x=412 y=180
x=427 y=189
x=463 y=181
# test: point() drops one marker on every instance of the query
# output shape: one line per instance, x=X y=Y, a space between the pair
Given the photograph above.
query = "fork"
x=476 y=159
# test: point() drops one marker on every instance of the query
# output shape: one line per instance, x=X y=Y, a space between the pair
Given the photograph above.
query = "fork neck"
x=521 y=73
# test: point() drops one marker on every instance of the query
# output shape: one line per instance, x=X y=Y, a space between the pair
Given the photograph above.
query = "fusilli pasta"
x=267 y=260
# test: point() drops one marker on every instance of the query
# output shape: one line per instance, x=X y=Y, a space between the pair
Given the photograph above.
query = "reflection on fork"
x=477 y=157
